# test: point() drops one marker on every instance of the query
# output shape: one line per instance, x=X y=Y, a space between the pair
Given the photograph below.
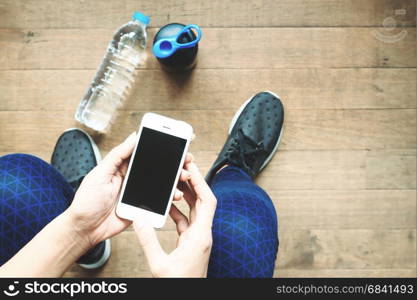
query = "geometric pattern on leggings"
x=245 y=228
x=32 y=193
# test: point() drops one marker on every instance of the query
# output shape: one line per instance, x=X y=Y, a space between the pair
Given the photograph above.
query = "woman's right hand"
x=191 y=257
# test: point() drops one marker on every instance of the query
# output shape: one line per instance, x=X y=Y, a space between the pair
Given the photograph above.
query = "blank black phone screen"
x=153 y=171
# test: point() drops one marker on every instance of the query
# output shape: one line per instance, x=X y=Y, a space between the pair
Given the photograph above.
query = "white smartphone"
x=154 y=169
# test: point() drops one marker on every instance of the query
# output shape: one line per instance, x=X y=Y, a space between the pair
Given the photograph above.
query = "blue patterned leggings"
x=245 y=238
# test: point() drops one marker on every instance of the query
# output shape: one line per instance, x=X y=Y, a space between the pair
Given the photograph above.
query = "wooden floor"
x=344 y=178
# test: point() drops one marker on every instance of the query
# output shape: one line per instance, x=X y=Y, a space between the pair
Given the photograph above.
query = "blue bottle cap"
x=138 y=16
x=168 y=46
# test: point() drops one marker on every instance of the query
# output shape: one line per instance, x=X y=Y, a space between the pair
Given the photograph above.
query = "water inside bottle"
x=113 y=80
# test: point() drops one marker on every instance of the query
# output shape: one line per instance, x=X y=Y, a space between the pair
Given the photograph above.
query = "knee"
x=248 y=205
x=22 y=174
x=18 y=171
x=16 y=161
x=23 y=168
x=240 y=212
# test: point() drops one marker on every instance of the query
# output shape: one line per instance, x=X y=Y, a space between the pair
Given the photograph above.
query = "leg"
x=32 y=193
x=245 y=227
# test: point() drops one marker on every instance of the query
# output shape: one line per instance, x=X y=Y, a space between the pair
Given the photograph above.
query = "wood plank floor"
x=344 y=179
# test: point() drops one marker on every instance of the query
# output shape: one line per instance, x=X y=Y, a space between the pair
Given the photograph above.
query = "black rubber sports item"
x=74 y=156
x=254 y=135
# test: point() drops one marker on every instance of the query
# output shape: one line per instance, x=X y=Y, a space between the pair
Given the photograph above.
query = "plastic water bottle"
x=115 y=75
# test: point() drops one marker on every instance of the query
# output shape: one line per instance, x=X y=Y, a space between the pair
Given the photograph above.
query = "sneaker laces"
x=245 y=149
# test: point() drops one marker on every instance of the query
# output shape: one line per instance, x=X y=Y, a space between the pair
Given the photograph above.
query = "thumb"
x=117 y=155
x=149 y=242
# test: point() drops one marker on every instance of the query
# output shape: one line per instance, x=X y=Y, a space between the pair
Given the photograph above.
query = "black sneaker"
x=254 y=135
x=75 y=155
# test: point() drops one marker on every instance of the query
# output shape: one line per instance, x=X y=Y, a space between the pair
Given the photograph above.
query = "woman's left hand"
x=93 y=209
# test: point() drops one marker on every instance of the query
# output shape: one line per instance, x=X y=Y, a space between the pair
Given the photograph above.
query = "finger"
x=190 y=198
x=117 y=180
x=123 y=168
x=197 y=181
x=203 y=192
x=188 y=158
x=185 y=175
x=178 y=195
x=188 y=193
x=118 y=224
x=149 y=242
x=179 y=218
x=117 y=155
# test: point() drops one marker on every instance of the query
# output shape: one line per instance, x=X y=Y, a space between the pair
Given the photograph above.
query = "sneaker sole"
x=107 y=245
x=102 y=260
x=236 y=116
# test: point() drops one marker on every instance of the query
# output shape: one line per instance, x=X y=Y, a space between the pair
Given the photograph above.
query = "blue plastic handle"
x=166 y=47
